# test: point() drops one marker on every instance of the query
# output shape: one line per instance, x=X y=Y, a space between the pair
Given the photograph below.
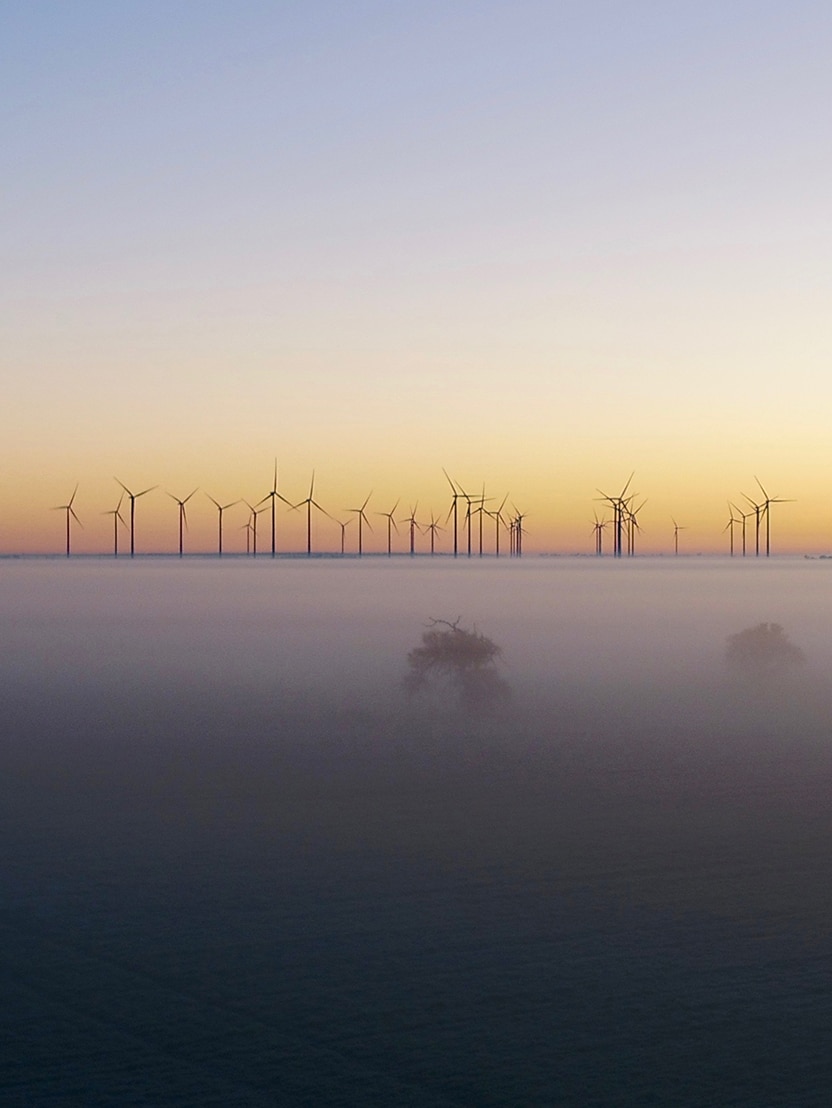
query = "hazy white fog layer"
x=241 y=866
x=343 y=628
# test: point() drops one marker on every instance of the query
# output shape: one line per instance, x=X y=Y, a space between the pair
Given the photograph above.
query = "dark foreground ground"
x=225 y=899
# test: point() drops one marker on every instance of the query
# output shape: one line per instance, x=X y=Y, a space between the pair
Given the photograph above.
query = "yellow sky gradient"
x=541 y=247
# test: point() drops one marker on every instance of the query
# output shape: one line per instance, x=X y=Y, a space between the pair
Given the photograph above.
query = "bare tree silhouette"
x=464 y=661
x=762 y=654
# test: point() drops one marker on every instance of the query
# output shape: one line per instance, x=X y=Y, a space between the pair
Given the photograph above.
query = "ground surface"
x=221 y=899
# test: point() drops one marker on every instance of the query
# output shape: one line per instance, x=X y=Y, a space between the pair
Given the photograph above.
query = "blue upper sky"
x=599 y=230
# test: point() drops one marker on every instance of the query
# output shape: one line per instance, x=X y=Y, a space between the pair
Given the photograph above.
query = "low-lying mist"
x=279 y=678
x=244 y=831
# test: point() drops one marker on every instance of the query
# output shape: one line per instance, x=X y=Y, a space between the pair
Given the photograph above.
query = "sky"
x=541 y=245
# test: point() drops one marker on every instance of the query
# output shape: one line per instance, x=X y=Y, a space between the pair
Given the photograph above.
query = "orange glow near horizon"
x=570 y=264
x=558 y=507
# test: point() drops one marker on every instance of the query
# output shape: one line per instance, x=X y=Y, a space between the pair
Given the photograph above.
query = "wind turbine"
x=468 y=514
x=310 y=503
x=729 y=526
x=454 y=510
x=414 y=526
x=619 y=506
x=676 y=530
x=598 y=528
x=255 y=512
x=757 y=512
x=481 y=510
x=745 y=516
x=70 y=515
x=497 y=516
x=433 y=527
x=632 y=525
x=220 y=509
x=343 y=527
x=518 y=532
x=117 y=518
x=362 y=519
x=183 y=518
x=391 y=526
x=133 y=497
x=769 y=500
x=274 y=495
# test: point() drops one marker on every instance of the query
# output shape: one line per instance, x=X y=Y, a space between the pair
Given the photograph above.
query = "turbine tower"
x=251 y=540
x=769 y=500
x=497 y=516
x=220 y=509
x=729 y=526
x=274 y=495
x=433 y=527
x=183 y=518
x=310 y=503
x=633 y=526
x=454 y=511
x=362 y=519
x=133 y=497
x=70 y=515
x=676 y=530
x=598 y=528
x=620 y=510
x=517 y=532
x=468 y=514
x=481 y=511
x=343 y=527
x=414 y=526
x=757 y=512
x=117 y=518
x=745 y=516
x=391 y=526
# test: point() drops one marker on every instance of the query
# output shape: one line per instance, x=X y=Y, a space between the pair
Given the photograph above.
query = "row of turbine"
x=475 y=506
x=624 y=521
x=625 y=524
x=760 y=511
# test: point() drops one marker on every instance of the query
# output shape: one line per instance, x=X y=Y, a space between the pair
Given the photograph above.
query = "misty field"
x=242 y=865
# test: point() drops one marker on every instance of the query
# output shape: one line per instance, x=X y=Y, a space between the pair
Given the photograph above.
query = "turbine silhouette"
x=454 y=510
x=414 y=527
x=251 y=537
x=391 y=526
x=481 y=511
x=769 y=500
x=676 y=530
x=362 y=519
x=343 y=527
x=274 y=496
x=729 y=526
x=221 y=508
x=433 y=527
x=598 y=528
x=517 y=531
x=117 y=518
x=310 y=503
x=620 y=505
x=497 y=516
x=133 y=497
x=70 y=515
x=183 y=518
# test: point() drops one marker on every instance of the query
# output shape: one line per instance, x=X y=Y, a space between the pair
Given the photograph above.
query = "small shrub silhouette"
x=465 y=661
x=763 y=653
